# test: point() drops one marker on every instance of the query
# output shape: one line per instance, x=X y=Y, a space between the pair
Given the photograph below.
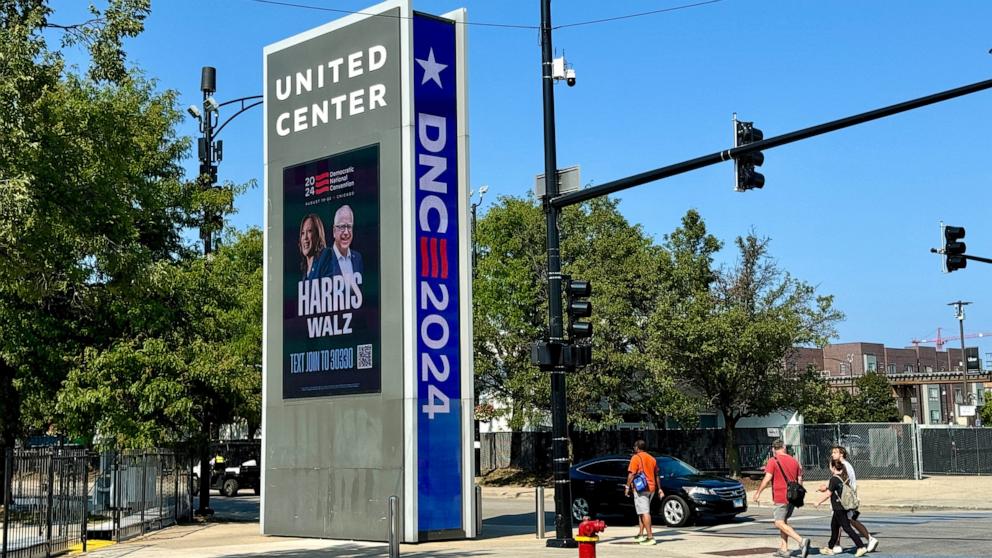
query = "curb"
x=911 y=508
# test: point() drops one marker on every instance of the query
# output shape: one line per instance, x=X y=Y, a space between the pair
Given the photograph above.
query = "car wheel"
x=581 y=509
x=676 y=511
x=230 y=488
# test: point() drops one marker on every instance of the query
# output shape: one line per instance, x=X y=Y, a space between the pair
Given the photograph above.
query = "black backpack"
x=794 y=492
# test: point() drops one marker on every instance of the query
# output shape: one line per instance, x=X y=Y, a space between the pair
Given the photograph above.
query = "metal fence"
x=949 y=450
x=56 y=499
x=877 y=450
x=44 y=508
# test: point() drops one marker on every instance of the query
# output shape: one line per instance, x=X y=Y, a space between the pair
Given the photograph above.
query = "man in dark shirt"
x=781 y=462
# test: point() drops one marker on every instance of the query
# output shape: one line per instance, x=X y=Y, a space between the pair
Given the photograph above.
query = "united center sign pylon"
x=367 y=389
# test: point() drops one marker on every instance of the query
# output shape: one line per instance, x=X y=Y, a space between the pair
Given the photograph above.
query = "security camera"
x=193 y=111
x=210 y=104
x=570 y=77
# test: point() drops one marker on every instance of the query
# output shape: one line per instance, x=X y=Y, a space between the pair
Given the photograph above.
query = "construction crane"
x=940 y=341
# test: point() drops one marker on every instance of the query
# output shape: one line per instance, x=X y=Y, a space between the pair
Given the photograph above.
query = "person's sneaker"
x=861 y=551
x=826 y=551
x=838 y=549
x=648 y=542
x=782 y=554
x=639 y=538
x=872 y=544
x=804 y=548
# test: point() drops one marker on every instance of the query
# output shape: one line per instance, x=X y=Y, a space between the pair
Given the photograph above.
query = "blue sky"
x=854 y=212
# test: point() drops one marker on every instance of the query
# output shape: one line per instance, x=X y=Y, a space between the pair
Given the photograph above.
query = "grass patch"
x=515 y=477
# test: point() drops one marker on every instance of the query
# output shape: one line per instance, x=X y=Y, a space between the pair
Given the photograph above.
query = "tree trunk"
x=10 y=416
x=733 y=458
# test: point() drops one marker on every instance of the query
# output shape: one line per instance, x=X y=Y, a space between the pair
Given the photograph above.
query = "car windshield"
x=671 y=467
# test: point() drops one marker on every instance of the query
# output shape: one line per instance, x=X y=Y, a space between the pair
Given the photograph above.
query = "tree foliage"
x=90 y=196
x=872 y=401
x=985 y=412
x=727 y=332
x=510 y=312
x=105 y=307
x=199 y=358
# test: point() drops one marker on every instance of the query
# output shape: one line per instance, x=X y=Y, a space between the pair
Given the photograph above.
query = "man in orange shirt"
x=642 y=461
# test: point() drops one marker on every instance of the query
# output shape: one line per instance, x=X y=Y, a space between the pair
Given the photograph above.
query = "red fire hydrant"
x=587 y=538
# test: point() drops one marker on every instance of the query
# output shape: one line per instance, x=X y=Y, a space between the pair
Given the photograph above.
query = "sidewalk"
x=242 y=539
x=930 y=493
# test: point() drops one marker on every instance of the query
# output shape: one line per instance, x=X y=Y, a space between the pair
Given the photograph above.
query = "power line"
x=653 y=12
x=340 y=11
x=486 y=24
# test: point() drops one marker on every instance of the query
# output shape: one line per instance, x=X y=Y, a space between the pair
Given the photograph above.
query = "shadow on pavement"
x=357 y=551
x=237 y=509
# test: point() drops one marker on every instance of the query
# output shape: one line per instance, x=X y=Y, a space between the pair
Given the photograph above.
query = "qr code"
x=364 y=356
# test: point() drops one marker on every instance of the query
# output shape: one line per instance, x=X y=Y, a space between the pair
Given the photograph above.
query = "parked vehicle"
x=857 y=446
x=235 y=466
x=598 y=488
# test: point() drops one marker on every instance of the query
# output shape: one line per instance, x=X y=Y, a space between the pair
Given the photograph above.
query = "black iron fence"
x=877 y=450
x=56 y=499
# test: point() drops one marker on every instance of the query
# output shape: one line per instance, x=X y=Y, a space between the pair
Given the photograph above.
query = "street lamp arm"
x=241 y=100
x=233 y=116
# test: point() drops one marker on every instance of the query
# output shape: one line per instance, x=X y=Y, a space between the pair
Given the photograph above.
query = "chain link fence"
x=56 y=499
x=949 y=450
x=877 y=450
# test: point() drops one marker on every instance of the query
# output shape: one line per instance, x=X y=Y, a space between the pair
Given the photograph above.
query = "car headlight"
x=699 y=491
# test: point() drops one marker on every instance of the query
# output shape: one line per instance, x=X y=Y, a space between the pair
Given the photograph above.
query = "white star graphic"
x=432 y=69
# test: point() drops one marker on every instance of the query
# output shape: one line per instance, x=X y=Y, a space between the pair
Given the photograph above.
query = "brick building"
x=927 y=383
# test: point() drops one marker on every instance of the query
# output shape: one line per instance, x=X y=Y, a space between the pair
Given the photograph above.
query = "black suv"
x=598 y=488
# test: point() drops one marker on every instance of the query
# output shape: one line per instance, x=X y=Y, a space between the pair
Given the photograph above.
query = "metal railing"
x=56 y=499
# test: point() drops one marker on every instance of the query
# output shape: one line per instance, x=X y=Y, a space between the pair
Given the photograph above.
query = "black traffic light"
x=745 y=176
x=954 y=248
x=209 y=172
x=578 y=308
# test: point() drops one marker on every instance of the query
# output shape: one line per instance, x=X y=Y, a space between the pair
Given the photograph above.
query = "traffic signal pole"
x=559 y=410
x=555 y=354
x=735 y=152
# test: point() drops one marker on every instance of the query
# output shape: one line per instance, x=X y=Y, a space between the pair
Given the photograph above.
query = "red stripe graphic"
x=423 y=256
x=322 y=176
x=322 y=190
x=444 y=258
x=433 y=257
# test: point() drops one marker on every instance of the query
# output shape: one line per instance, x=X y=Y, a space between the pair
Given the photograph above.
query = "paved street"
x=509 y=530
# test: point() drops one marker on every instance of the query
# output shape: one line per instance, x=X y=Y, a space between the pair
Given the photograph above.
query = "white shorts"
x=642 y=502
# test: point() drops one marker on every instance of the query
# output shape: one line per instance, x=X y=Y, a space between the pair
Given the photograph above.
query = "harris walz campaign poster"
x=331 y=276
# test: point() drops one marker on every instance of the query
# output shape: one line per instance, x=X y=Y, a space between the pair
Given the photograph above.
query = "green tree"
x=727 y=333
x=986 y=413
x=90 y=196
x=822 y=404
x=874 y=400
x=510 y=312
x=200 y=357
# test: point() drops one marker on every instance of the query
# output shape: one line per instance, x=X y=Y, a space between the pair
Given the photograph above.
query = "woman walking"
x=835 y=490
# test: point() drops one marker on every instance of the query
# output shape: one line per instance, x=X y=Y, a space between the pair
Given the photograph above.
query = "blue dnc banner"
x=439 y=447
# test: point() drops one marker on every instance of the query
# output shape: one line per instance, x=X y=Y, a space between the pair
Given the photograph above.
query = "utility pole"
x=210 y=152
x=477 y=437
x=559 y=410
x=207 y=177
x=960 y=304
